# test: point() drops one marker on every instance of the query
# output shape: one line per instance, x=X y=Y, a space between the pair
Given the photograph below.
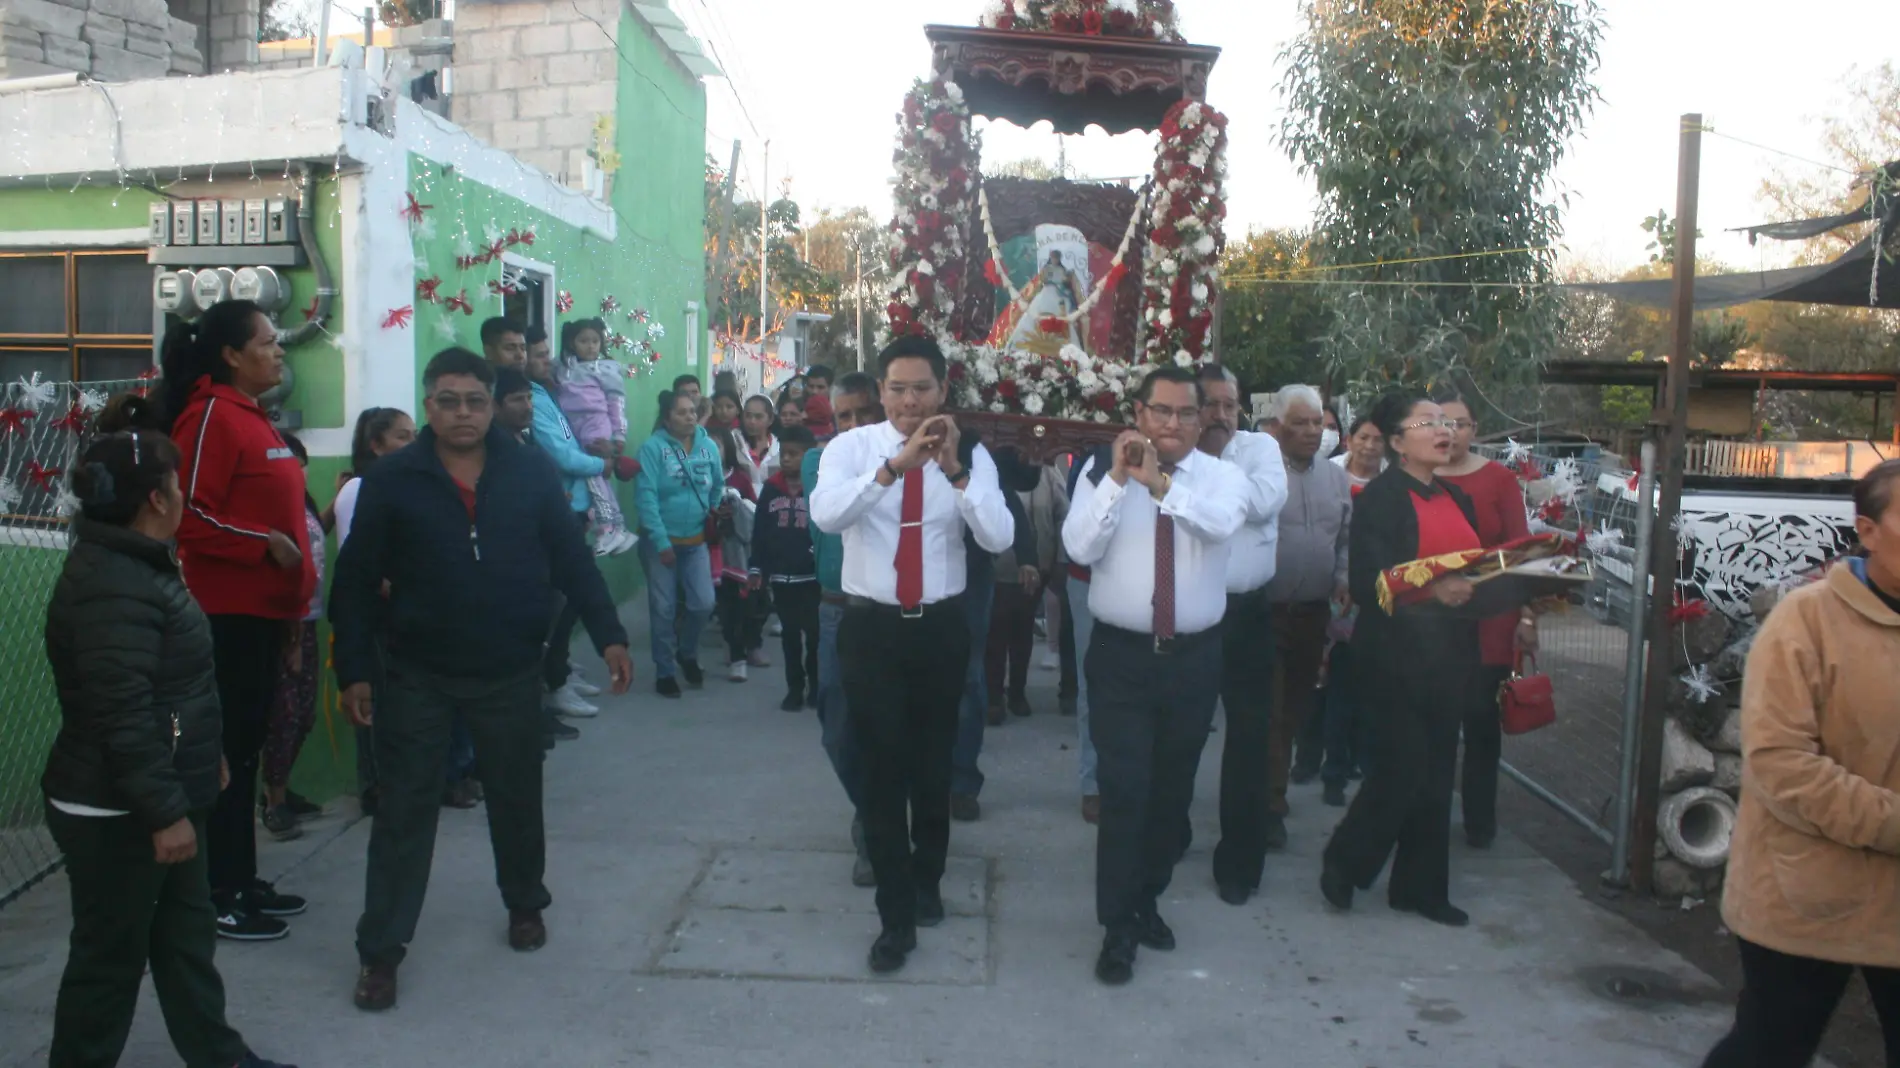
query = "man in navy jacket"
x=473 y=535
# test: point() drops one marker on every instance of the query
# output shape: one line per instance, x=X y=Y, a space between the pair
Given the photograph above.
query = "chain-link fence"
x=1577 y=764
x=44 y=427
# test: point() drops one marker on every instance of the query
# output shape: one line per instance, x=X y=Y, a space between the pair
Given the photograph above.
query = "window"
x=528 y=294
x=75 y=316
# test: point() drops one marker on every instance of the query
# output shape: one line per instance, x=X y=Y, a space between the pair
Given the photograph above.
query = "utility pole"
x=369 y=27
x=1668 y=425
x=857 y=294
x=765 y=255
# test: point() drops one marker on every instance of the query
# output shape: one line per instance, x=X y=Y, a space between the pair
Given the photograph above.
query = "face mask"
x=1328 y=441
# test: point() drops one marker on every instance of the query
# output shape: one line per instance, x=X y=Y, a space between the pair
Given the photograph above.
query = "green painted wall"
x=89 y=207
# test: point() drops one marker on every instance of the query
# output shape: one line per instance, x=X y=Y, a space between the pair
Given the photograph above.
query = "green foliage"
x=733 y=258
x=1270 y=334
x=1431 y=128
x=1662 y=246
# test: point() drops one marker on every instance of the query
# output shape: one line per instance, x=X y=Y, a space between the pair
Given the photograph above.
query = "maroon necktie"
x=910 y=543
x=1164 y=575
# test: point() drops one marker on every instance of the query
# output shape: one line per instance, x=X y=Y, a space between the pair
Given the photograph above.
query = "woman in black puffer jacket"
x=137 y=764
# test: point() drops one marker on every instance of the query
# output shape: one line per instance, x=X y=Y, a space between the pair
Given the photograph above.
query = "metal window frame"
x=72 y=341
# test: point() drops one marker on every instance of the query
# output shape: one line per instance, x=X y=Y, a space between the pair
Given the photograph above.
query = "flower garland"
x=1184 y=235
x=1094 y=18
x=1117 y=270
x=1069 y=385
x=936 y=159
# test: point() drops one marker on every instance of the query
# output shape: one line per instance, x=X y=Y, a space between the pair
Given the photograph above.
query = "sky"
x=823 y=79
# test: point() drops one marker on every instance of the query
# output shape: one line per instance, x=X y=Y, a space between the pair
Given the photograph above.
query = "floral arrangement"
x=1093 y=18
x=1184 y=235
x=937 y=158
x=1069 y=385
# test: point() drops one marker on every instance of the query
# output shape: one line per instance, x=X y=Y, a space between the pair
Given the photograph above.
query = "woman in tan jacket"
x=1813 y=886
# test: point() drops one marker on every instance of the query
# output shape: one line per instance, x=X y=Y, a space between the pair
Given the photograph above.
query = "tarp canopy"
x=1854 y=280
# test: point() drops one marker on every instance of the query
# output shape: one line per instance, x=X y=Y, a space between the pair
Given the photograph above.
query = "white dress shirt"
x=850 y=502
x=1112 y=530
x=1255 y=549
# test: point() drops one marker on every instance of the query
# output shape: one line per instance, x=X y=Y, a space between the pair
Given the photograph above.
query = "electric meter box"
x=212 y=285
x=207 y=212
x=280 y=221
x=262 y=286
x=231 y=226
x=254 y=222
x=161 y=223
x=172 y=293
x=184 y=223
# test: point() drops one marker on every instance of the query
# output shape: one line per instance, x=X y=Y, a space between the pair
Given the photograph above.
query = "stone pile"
x=111 y=40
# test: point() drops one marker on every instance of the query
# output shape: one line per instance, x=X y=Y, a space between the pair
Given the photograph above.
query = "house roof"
x=671 y=30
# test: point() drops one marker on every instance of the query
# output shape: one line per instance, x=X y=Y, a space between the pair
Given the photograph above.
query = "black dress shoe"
x=1478 y=838
x=1334 y=794
x=695 y=677
x=1234 y=893
x=1275 y=834
x=1335 y=887
x=1155 y=932
x=929 y=907
x=666 y=687
x=891 y=949
x=1116 y=965
x=1302 y=774
x=1443 y=912
x=965 y=809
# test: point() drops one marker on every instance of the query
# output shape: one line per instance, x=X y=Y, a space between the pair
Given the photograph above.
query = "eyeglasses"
x=1166 y=414
x=473 y=403
x=1462 y=424
x=1431 y=424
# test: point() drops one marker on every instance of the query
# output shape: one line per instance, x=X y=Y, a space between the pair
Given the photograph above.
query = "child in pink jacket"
x=593 y=396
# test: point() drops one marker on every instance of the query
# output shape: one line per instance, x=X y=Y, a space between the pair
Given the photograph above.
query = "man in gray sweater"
x=1310 y=576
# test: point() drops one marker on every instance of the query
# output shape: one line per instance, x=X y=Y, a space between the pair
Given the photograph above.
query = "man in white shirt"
x=901 y=498
x=1155 y=529
x=1246 y=685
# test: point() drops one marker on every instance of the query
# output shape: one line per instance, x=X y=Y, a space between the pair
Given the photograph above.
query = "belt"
x=834 y=598
x=1180 y=643
x=866 y=604
x=1079 y=574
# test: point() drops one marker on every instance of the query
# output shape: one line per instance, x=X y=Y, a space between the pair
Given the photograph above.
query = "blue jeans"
x=1084 y=629
x=966 y=779
x=461 y=751
x=1346 y=748
x=676 y=640
x=839 y=742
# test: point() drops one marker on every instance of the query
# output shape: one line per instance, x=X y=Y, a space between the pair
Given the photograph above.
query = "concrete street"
x=699 y=861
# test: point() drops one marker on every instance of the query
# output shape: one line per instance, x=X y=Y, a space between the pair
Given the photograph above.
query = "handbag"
x=1526 y=702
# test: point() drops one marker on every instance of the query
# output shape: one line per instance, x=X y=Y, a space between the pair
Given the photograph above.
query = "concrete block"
x=545 y=160
x=103 y=30
x=19 y=43
x=568 y=132
x=187 y=64
x=540 y=103
x=484 y=107
x=487 y=45
x=581 y=68
x=147 y=41
x=592 y=98
x=1685 y=762
x=543 y=40
x=518 y=134
x=67 y=53
x=507 y=14
x=1730 y=738
x=522 y=73
x=150 y=12
x=474 y=78
x=11 y=67
x=45 y=17
x=1728 y=773
x=118 y=65
x=181 y=32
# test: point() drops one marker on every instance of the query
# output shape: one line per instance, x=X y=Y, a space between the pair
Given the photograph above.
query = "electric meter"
x=212 y=285
x=172 y=294
x=262 y=286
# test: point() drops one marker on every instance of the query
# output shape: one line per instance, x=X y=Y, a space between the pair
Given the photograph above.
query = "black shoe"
x=794 y=702
x=1303 y=775
x=1155 y=932
x=667 y=687
x=964 y=809
x=1444 y=912
x=929 y=907
x=1116 y=965
x=891 y=949
x=689 y=669
x=1334 y=794
x=281 y=822
x=1065 y=704
x=366 y=802
x=1275 y=833
x=1234 y=893
x=264 y=900
x=1335 y=887
x=561 y=730
x=460 y=795
x=376 y=988
x=301 y=806
x=240 y=924
x=1480 y=839
x=1019 y=706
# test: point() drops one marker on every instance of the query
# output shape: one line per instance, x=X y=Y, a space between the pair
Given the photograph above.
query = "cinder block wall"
x=531 y=77
x=112 y=40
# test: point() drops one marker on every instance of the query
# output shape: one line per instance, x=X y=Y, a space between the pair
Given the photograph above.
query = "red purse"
x=1526 y=702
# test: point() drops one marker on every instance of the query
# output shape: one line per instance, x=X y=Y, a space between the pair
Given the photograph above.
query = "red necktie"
x=910 y=542
x=1164 y=576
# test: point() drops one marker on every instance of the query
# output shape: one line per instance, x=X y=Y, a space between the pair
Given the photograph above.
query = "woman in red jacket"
x=245 y=553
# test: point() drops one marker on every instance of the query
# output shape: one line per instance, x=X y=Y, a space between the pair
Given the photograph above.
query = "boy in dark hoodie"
x=782 y=556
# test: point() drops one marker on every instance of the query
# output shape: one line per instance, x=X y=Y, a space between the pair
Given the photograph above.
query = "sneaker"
x=242 y=925
x=579 y=684
x=566 y=702
x=264 y=900
x=1051 y=662
x=666 y=687
x=776 y=629
x=794 y=702
x=758 y=659
x=690 y=670
x=560 y=730
x=281 y=822
x=628 y=540
x=735 y=671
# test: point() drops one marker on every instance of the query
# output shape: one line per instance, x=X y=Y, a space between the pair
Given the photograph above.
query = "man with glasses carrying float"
x=474 y=536
x=1155 y=527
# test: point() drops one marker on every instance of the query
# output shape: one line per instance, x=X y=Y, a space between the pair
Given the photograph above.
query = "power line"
x=1712 y=132
x=1388 y=263
x=714 y=28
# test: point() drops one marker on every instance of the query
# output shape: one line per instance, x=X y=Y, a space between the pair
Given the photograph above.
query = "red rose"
x=1063 y=22
x=1165 y=237
x=1006 y=20
x=946 y=123
x=1105 y=401
x=1123 y=22
x=1007 y=389
x=1092 y=22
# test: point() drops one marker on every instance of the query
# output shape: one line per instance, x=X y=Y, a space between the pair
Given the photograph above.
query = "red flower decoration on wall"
x=398 y=318
x=609 y=304
x=14 y=420
x=414 y=209
x=1687 y=611
x=564 y=302
x=46 y=478
x=501 y=288
x=459 y=302
x=310 y=313
x=425 y=289
x=74 y=420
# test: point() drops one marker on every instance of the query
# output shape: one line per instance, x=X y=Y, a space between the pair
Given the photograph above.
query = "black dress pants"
x=414 y=715
x=1786 y=1004
x=1404 y=808
x=129 y=910
x=248 y=654
x=1246 y=694
x=1148 y=716
x=903 y=683
x=797 y=604
x=1484 y=748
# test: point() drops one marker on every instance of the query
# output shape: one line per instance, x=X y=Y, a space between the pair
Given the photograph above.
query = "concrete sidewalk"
x=698 y=857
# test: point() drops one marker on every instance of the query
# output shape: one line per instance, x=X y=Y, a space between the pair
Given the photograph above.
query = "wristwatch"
x=960 y=477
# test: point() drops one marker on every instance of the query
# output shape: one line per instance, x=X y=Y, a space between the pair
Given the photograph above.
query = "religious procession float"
x=1051 y=298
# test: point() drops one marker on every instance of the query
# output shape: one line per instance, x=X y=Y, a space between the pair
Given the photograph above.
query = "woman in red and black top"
x=244 y=548
x=1418 y=668
x=1498 y=500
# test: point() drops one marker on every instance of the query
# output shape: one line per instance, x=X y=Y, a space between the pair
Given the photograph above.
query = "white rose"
x=1198 y=158
x=1183 y=358
x=998 y=407
x=1167 y=317
x=1101 y=417
x=924 y=267
x=1032 y=404
x=1205 y=246
x=1200 y=291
